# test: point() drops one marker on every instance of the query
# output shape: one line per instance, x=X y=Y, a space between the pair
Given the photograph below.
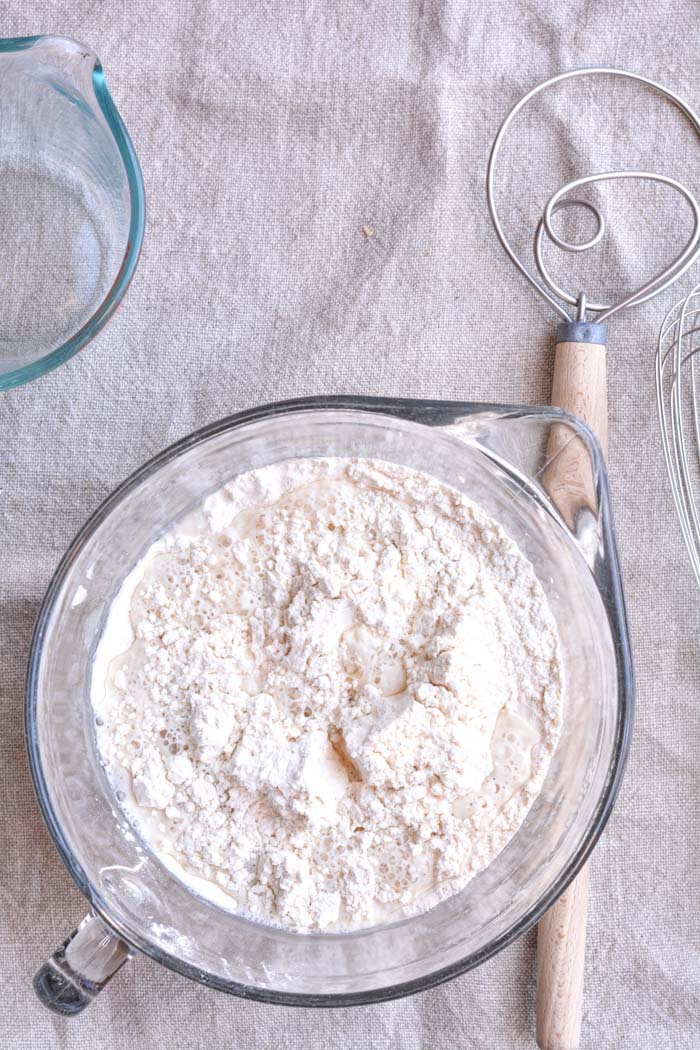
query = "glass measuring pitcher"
x=501 y=457
x=71 y=204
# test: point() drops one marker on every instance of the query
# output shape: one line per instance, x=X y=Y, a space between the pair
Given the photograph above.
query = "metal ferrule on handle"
x=582 y=332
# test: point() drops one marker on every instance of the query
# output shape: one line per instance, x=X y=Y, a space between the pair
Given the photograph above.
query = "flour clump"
x=330 y=696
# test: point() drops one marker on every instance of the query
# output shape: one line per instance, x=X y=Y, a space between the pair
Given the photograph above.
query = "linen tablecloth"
x=316 y=224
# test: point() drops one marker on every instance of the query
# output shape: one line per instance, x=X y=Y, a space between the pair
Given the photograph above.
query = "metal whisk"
x=679 y=413
x=560 y=200
x=579 y=385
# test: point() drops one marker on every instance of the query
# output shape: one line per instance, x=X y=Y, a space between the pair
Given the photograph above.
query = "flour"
x=331 y=696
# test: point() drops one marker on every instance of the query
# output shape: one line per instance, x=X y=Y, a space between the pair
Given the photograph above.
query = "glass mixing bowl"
x=71 y=204
x=502 y=458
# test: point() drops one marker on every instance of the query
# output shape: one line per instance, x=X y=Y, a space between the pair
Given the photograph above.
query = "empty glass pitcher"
x=71 y=204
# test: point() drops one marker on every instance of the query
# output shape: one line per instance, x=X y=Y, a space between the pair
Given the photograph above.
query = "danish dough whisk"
x=579 y=386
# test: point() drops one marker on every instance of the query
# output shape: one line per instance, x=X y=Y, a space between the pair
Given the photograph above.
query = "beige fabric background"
x=270 y=135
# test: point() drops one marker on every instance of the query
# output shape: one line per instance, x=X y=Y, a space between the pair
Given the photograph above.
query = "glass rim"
x=610 y=588
x=60 y=354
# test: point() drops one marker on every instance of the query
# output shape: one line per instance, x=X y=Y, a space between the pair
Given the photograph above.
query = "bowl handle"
x=81 y=967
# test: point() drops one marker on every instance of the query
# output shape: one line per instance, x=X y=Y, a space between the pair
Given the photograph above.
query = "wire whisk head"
x=558 y=297
x=677 y=393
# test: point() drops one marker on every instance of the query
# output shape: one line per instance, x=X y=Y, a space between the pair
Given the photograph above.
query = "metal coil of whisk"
x=550 y=291
x=677 y=397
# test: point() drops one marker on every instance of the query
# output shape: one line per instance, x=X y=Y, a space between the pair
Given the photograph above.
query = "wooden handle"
x=580 y=387
x=561 y=951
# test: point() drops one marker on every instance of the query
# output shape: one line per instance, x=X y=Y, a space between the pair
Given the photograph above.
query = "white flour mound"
x=330 y=697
